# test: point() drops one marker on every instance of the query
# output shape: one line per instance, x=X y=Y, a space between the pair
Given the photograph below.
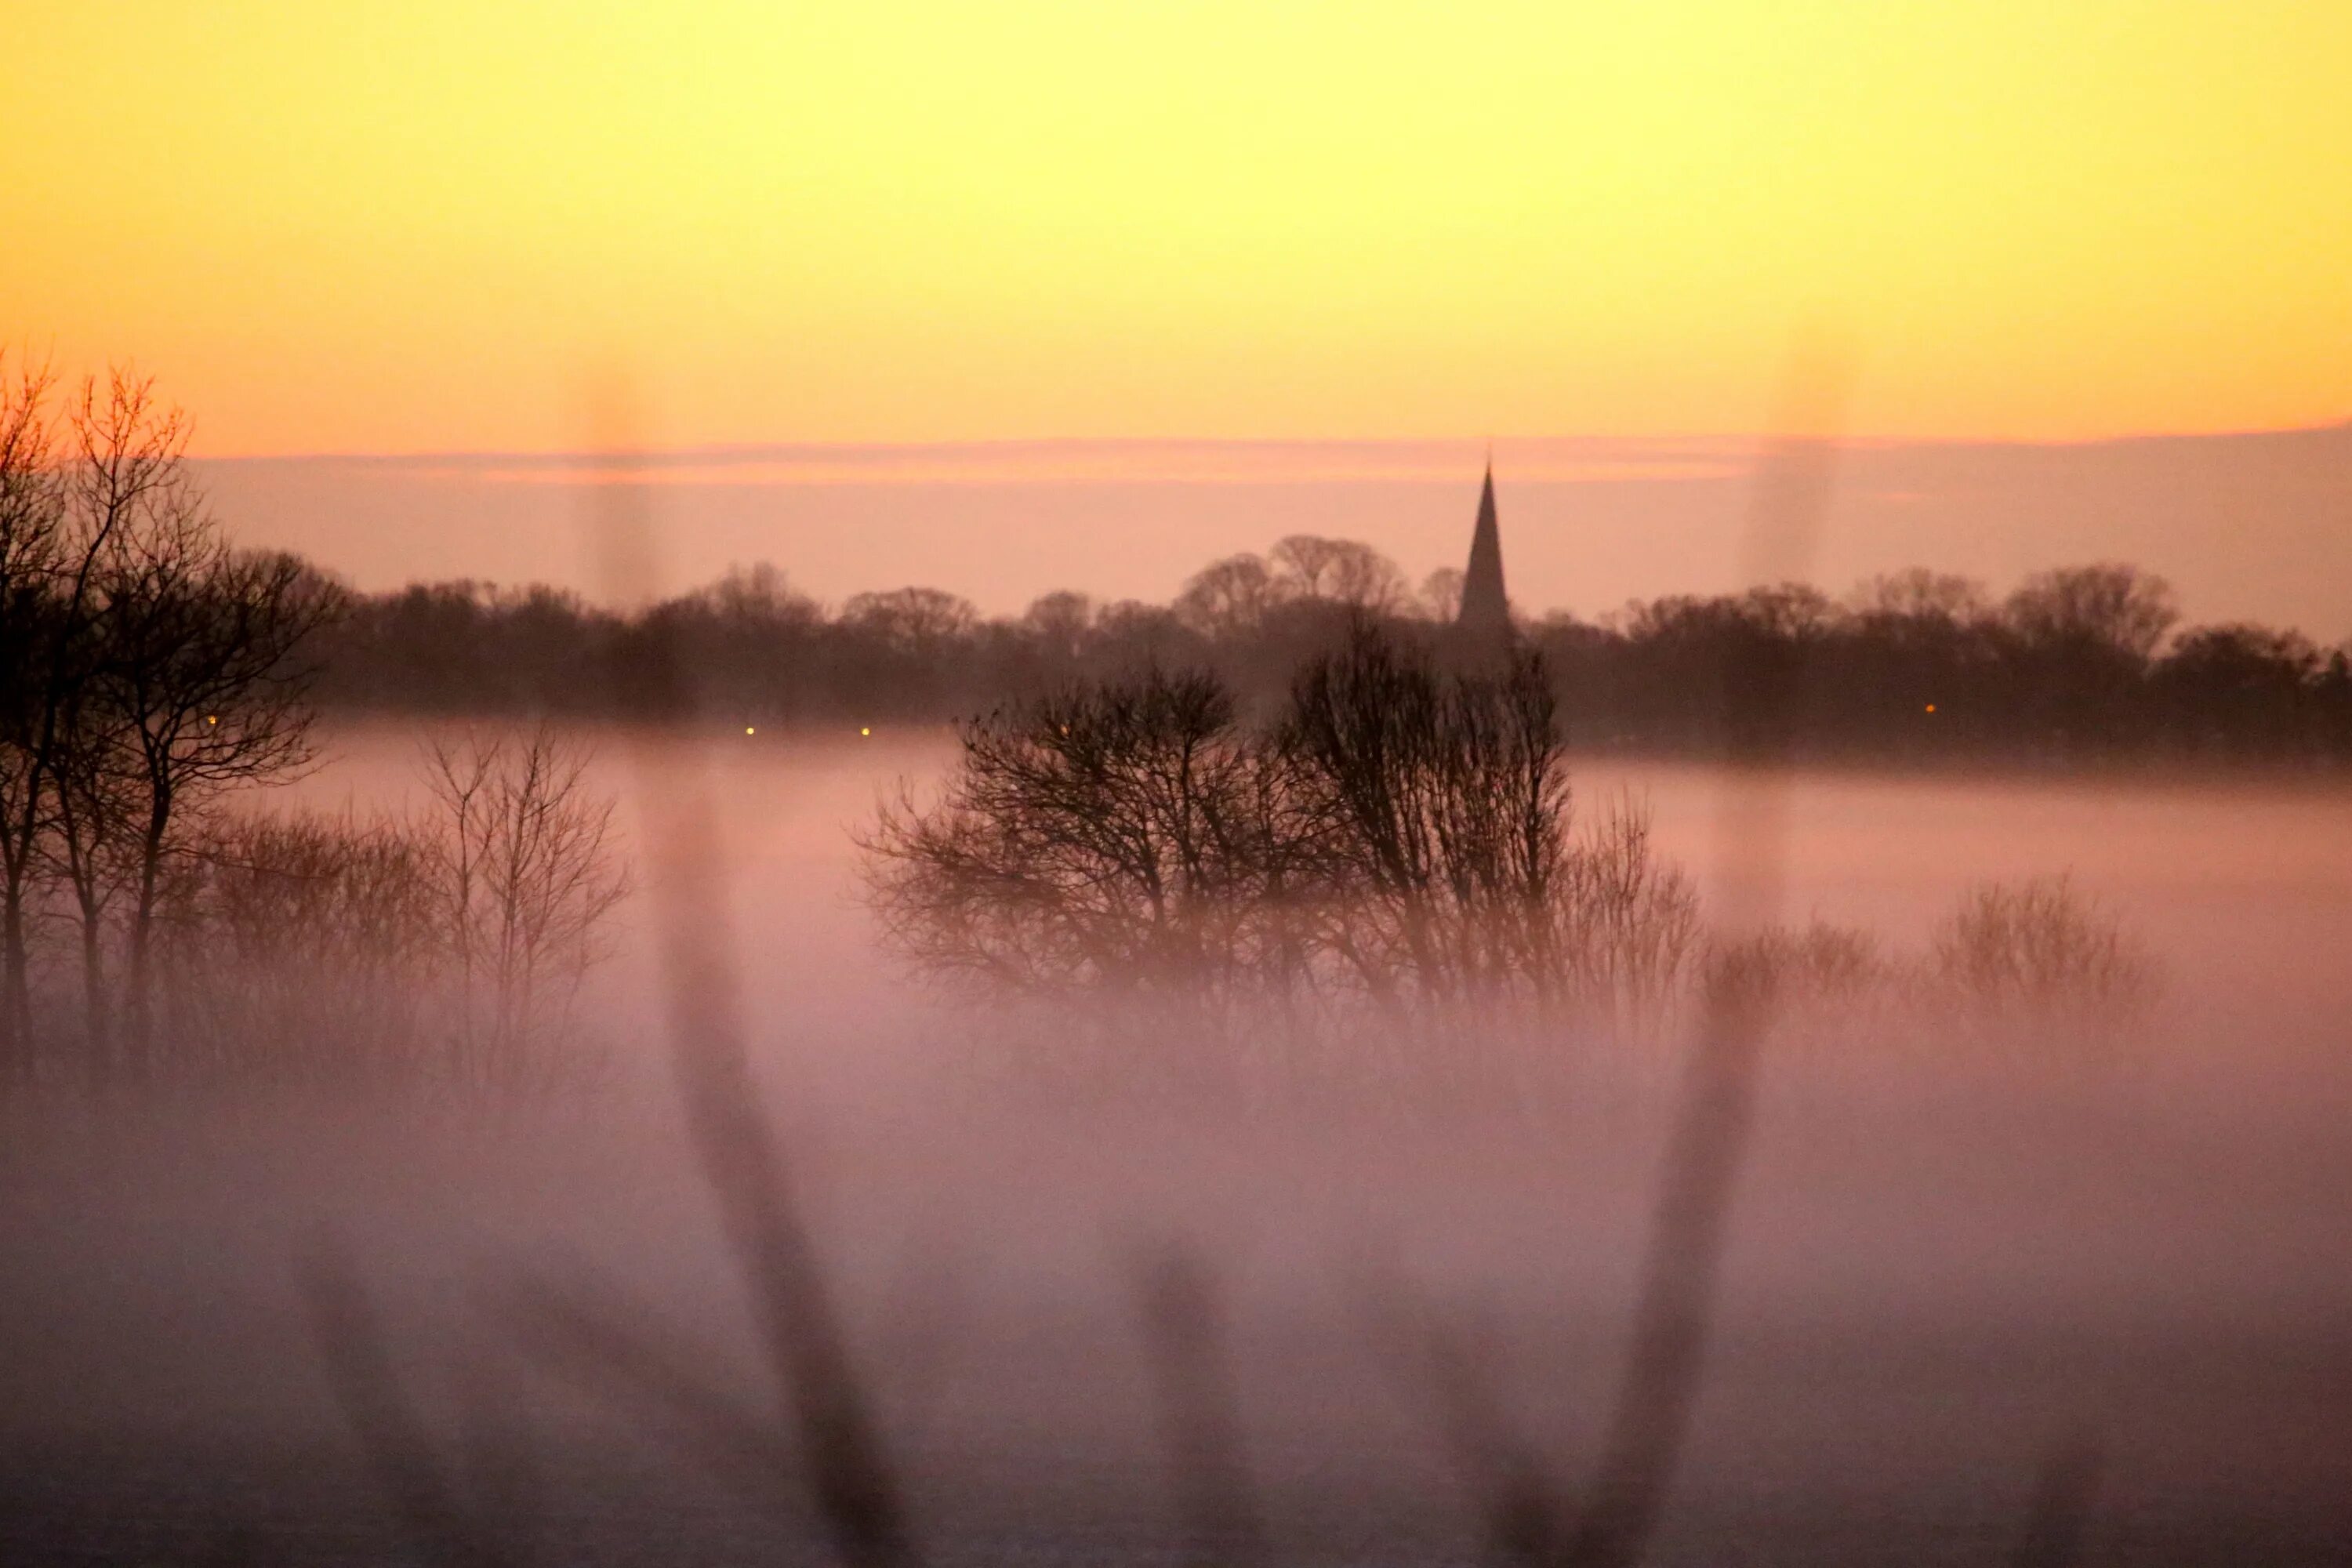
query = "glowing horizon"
x=940 y=222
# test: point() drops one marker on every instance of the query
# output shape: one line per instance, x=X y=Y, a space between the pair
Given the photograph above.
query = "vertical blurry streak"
x=2057 y=1522
x=855 y=1493
x=1652 y=1416
x=1796 y=472
x=351 y=1344
x=614 y=1351
x=504 y=1481
x=1524 y=1510
x=1651 y=1419
x=1526 y=1514
x=1183 y=1331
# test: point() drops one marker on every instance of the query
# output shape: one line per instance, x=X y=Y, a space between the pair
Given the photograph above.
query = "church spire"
x=1485 y=611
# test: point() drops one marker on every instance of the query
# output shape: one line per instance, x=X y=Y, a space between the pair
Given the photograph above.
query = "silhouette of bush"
x=2039 y=949
x=1631 y=920
x=301 y=947
x=1817 y=964
x=2023 y=955
x=441 y=947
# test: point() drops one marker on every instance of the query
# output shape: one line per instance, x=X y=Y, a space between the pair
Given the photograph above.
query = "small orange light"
x=749 y=731
x=1931 y=708
x=212 y=718
x=864 y=730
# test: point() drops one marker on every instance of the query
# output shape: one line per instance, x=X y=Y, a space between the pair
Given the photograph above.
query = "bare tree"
x=31 y=519
x=918 y=621
x=202 y=669
x=1441 y=594
x=527 y=878
x=1110 y=837
x=2023 y=952
x=1448 y=871
x=1341 y=572
x=1918 y=594
x=1060 y=622
x=2114 y=609
x=1402 y=836
x=89 y=847
x=149 y=665
x=1230 y=597
x=1626 y=923
x=117 y=467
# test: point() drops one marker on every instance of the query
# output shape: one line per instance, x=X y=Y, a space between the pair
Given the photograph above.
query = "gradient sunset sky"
x=426 y=227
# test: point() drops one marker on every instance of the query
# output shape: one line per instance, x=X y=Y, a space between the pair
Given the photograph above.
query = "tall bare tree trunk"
x=99 y=1041
x=15 y=936
x=139 y=1023
x=15 y=984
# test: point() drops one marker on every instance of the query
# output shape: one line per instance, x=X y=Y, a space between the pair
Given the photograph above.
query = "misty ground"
x=1949 y=1264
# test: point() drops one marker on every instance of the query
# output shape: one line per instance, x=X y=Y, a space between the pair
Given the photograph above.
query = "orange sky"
x=428 y=227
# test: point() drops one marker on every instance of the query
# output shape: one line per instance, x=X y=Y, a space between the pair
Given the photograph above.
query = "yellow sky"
x=429 y=226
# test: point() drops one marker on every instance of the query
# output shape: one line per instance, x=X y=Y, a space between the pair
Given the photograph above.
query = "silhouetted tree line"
x=2081 y=664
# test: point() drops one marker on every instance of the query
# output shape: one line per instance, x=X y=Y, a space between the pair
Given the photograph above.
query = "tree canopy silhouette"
x=2082 y=665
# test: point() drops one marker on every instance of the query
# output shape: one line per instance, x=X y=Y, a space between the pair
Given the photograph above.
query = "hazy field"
x=2246 y=892
x=1948 y=1265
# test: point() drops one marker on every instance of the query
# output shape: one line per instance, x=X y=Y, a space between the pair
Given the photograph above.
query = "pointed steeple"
x=1485 y=611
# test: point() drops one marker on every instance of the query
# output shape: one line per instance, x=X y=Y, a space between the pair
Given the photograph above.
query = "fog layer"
x=1952 y=1260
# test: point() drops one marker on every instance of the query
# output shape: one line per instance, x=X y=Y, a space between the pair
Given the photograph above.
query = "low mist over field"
x=1956 y=1257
